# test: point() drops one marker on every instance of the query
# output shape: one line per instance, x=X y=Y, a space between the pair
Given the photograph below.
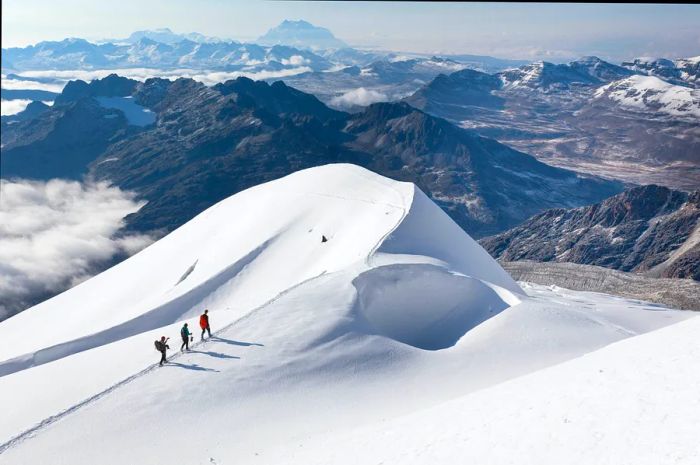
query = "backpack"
x=160 y=347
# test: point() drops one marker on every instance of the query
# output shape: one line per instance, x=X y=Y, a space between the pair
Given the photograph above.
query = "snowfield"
x=634 y=402
x=135 y=114
x=386 y=343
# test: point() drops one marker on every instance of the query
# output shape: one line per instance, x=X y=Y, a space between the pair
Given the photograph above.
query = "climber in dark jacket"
x=162 y=346
x=185 y=333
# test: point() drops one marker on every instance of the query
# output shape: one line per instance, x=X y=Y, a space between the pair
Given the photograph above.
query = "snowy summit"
x=301 y=34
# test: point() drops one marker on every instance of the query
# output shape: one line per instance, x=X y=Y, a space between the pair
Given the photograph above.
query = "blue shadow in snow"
x=234 y=343
x=193 y=366
x=213 y=354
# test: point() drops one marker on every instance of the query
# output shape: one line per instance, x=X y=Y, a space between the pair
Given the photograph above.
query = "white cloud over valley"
x=12 y=107
x=55 y=234
x=359 y=96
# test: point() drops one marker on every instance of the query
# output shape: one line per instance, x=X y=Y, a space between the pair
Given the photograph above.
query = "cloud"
x=221 y=76
x=12 y=107
x=21 y=84
x=295 y=60
x=359 y=96
x=56 y=234
x=141 y=74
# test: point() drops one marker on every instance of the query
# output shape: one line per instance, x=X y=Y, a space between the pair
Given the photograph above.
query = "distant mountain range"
x=305 y=56
x=615 y=121
x=165 y=36
x=291 y=44
x=345 y=79
x=649 y=229
x=72 y=54
x=205 y=143
x=387 y=79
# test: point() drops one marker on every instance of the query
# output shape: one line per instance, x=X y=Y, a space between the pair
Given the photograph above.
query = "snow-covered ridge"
x=269 y=235
x=544 y=76
x=523 y=75
x=649 y=93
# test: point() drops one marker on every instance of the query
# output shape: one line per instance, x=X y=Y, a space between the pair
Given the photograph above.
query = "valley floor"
x=676 y=293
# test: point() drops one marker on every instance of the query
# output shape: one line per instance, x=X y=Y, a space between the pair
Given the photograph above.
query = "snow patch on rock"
x=136 y=114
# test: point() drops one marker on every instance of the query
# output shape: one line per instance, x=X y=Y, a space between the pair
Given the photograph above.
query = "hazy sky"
x=529 y=31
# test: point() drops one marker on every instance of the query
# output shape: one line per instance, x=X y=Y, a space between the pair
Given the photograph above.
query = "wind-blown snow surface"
x=398 y=310
x=634 y=402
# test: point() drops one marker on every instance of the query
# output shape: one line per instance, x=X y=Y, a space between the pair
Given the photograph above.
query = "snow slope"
x=634 y=402
x=398 y=311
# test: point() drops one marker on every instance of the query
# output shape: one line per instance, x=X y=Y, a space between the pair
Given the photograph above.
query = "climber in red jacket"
x=204 y=323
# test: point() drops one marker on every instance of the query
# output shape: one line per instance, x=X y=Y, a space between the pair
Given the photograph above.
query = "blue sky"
x=529 y=31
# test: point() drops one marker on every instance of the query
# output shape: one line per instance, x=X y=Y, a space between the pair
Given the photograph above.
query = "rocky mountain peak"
x=278 y=98
x=110 y=86
x=599 y=69
x=638 y=203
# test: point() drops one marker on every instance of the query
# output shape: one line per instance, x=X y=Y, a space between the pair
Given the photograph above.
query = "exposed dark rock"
x=61 y=141
x=648 y=229
x=111 y=86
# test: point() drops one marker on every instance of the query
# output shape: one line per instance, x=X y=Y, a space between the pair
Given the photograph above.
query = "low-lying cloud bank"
x=141 y=74
x=29 y=84
x=56 y=234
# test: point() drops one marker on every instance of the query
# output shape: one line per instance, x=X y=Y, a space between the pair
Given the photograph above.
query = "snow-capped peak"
x=649 y=93
x=301 y=34
x=546 y=76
